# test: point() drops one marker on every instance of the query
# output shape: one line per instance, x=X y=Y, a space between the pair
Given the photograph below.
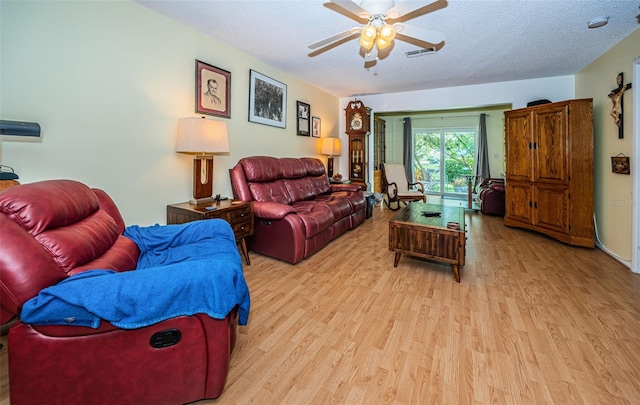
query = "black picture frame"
x=267 y=100
x=316 y=127
x=213 y=90
x=303 y=111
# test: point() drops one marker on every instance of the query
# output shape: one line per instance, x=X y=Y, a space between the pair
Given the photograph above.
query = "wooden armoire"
x=549 y=170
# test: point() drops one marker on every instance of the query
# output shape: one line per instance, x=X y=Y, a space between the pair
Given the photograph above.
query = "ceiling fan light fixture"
x=367 y=45
x=381 y=43
x=387 y=32
x=368 y=37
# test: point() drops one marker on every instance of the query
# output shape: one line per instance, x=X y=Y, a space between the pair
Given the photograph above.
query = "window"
x=442 y=157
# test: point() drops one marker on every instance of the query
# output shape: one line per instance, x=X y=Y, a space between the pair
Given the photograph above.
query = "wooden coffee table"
x=412 y=233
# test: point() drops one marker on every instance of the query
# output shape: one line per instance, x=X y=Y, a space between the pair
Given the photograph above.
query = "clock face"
x=356 y=121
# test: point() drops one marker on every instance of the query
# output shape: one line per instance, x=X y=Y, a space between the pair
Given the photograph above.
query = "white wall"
x=516 y=93
x=107 y=81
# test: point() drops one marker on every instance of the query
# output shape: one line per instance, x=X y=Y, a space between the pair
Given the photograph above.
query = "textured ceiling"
x=485 y=40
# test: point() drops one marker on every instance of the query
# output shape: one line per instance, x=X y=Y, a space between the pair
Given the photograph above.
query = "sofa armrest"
x=271 y=210
x=344 y=187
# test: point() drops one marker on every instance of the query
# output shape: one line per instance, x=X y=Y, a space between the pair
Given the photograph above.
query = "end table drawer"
x=242 y=228
x=241 y=214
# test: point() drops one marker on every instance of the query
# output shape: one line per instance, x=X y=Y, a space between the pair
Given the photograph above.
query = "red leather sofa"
x=297 y=211
x=54 y=229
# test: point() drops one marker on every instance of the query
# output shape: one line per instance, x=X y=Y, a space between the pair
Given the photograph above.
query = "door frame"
x=635 y=246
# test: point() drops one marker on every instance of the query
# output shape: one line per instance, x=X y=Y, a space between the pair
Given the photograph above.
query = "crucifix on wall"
x=617 y=99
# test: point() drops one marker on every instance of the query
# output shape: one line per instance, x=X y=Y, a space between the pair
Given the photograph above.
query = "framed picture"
x=267 y=100
x=213 y=90
x=304 y=118
x=620 y=164
x=315 y=127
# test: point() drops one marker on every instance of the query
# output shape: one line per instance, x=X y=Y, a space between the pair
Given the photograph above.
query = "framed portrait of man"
x=213 y=90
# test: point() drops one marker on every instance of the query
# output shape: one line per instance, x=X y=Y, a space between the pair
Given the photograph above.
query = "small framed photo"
x=267 y=100
x=304 y=118
x=620 y=164
x=213 y=90
x=315 y=127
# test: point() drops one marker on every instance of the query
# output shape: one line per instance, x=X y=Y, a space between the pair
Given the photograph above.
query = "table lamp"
x=202 y=138
x=330 y=147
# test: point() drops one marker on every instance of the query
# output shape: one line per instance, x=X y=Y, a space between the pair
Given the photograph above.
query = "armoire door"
x=519 y=153
x=551 y=208
x=550 y=144
x=519 y=202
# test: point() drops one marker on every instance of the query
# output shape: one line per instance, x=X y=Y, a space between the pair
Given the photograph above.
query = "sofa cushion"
x=355 y=198
x=293 y=168
x=273 y=191
x=84 y=241
x=314 y=167
x=315 y=217
x=300 y=189
x=339 y=206
x=38 y=208
x=65 y=219
x=261 y=168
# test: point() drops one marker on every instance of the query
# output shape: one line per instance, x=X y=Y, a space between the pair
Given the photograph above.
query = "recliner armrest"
x=271 y=210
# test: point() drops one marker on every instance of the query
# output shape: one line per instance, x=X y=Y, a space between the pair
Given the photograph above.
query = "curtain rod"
x=443 y=117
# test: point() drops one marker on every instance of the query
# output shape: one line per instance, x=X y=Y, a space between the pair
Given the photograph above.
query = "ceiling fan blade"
x=420 y=34
x=405 y=10
x=335 y=38
x=353 y=8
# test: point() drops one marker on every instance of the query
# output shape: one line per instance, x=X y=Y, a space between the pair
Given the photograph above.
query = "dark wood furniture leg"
x=245 y=251
x=396 y=260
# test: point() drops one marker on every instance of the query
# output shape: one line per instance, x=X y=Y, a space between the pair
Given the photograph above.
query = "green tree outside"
x=459 y=158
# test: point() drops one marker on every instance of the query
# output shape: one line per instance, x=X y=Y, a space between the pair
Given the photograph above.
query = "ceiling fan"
x=384 y=22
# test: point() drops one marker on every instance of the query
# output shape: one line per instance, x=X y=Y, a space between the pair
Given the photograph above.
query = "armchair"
x=491 y=196
x=396 y=186
x=54 y=232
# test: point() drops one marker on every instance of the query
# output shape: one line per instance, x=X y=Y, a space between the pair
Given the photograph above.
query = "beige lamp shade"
x=199 y=136
x=331 y=146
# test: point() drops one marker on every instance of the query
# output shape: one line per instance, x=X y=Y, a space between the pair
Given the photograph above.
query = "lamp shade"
x=199 y=136
x=331 y=146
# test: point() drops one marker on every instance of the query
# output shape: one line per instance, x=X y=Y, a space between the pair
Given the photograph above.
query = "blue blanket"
x=182 y=270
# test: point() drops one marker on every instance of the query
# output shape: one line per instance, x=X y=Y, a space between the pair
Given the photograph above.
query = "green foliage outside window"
x=459 y=155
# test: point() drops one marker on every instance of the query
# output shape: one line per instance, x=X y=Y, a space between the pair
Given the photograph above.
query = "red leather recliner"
x=51 y=230
x=491 y=196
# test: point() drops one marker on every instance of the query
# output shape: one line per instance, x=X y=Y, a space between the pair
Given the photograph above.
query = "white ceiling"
x=486 y=40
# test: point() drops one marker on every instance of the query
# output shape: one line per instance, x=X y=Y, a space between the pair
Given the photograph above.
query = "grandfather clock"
x=358 y=121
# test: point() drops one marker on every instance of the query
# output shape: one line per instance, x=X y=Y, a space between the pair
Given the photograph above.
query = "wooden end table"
x=414 y=234
x=239 y=214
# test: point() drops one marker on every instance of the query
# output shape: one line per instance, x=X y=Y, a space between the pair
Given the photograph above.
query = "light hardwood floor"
x=533 y=321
